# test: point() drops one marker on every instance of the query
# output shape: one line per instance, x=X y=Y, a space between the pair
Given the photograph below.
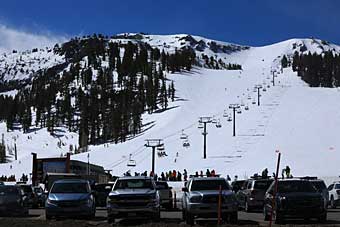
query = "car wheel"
x=323 y=218
x=265 y=214
x=157 y=216
x=183 y=214
x=332 y=203
x=189 y=219
x=110 y=220
x=278 y=218
x=233 y=217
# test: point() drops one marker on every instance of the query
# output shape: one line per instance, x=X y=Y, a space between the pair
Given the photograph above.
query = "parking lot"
x=168 y=218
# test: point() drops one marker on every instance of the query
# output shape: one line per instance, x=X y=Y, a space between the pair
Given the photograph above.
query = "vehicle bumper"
x=302 y=213
x=68 y=211
x=210 y=210
x=13 y=209
x=255 y=203
x=127 y=212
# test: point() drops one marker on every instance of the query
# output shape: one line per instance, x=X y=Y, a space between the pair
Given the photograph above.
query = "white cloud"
x=12 y=39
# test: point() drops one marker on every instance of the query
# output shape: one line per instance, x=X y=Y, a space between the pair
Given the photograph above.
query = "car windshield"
x=8 y=190
x=295 y=186
x=134 y=184
x=162 y=185
x=262 y=184
x=337 y=186
x=70 y=188
x=319 y=185
x=201 y=185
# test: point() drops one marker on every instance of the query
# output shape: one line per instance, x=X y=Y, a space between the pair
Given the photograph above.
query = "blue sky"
x=251 y=22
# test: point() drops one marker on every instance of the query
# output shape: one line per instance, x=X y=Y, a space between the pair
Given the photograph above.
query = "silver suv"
x=133 y=197
x=201 y=198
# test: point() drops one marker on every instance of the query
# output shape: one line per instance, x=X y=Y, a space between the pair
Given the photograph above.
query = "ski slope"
x=299 y=121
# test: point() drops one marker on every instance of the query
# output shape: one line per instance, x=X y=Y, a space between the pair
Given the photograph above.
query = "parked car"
x=237 y=185
x=102 y=191
x=251 y=194
x=165 y=194
x=295 y=198
x=41 y=196
x=32 y=198
x=320 y=187
x=133 y=197
x=334 y=194
x=201 y=197
x=12 y=201
x=70 y=198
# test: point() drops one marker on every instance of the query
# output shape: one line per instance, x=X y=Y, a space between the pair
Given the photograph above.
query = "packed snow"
x=300 y=122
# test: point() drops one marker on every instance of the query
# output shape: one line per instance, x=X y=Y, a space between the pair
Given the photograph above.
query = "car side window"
x=330 y=187
x=250 y=183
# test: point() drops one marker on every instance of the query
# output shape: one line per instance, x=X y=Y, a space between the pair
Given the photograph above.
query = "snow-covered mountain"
x=300 y=121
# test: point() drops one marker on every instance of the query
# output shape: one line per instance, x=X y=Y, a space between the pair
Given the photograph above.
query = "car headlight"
x=53 y=202
x=195 y=199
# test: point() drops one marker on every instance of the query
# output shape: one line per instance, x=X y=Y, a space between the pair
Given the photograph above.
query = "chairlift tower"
x=205 y=121
x=154 y=143
x=258 y=87
x=234 y=107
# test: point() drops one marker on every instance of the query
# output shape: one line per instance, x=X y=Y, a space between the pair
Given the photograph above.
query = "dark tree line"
x=101 y=91
x=318 y=70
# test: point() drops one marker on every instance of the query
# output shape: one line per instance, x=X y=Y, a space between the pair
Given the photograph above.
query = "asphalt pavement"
x=36 y=218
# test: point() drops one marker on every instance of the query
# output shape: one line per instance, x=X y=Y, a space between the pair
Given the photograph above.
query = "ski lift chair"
x=131 y=162
x=264 y=89
x=229 y=118
x=200 y=126
x=239 y=111
x=214 y=121
x=218 y=124
x=186 y=144
x=247 y=107
x=253 y=102
x=225 y=114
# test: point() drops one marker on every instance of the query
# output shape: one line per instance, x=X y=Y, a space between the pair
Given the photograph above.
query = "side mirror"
x=185 y=189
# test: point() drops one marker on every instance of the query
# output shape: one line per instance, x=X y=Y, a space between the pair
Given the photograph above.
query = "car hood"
x=212 y=192
x=132 y=191
x=68 y=196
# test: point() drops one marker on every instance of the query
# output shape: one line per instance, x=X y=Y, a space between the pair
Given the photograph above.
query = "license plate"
x=132 y=214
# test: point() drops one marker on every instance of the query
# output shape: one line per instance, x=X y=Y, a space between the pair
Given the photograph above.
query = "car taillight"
x=338 y=192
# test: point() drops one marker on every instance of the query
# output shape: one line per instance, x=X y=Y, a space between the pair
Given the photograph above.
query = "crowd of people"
x=176 y=175
x=10 y=178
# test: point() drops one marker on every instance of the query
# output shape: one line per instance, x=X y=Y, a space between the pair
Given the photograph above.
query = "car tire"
x=183 y=214
x=110 y=220
x=332 y=203
x=189 y=219
x=322 y=218
x=157 y=216
x=265 y=214
x=233 y=218
x=278 y=218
